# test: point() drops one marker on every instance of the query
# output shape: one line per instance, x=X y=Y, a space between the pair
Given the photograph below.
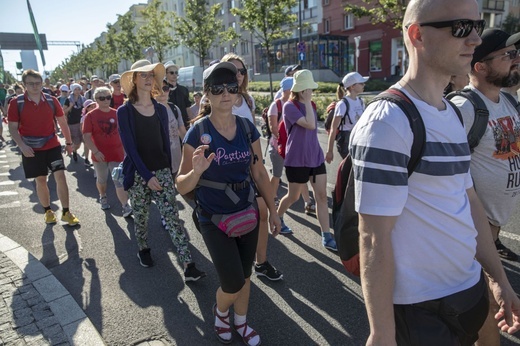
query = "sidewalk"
x=35 y=309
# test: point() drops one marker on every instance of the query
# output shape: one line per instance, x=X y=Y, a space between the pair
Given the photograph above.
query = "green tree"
x=390 y=12
x=129 y=48
x=111 y=50
x=511 y=24
x=196 y=29
x=156 y=32
x=268 y=20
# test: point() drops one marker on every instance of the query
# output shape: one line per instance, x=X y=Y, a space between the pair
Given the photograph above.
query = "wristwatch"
x=68 y=143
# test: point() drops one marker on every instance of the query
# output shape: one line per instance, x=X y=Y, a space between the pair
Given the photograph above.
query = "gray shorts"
x=103 y=169
x=277 y=162
x=75 y=133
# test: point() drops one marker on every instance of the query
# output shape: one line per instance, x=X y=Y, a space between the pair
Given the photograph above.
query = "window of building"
x=244 y=48
x=376 y=56
x=326 y=25
x=326 y=2
x=493 y=5
x=348 y=21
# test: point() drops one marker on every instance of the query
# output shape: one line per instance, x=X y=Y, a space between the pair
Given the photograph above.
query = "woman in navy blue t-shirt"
x=221 y=149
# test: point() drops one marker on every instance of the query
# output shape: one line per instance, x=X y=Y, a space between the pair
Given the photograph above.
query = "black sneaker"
x=504 y=252
x=267 y=270
x=145 y=258
x=192 y=273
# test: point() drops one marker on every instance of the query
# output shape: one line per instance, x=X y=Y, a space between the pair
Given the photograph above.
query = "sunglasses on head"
x=145 y=75
x=460 y=28
x=512 y=54
x=165 y=88
x=103 y=98
x=242 y=71
x=231 y=88
x=173 y=72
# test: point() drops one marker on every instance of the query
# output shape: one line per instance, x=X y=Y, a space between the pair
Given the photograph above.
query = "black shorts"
x=301 y=175
x=42 y=162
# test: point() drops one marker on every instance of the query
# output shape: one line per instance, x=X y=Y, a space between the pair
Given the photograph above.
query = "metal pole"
x=300 y=27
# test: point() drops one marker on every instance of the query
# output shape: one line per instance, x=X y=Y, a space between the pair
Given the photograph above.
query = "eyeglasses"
x=103 y=98
x=173 y=72
x=512 y=54
x=460 y=28
x=242 y=71
x=115 y=81
x=146 y=75
x=33 y=84
x=165 y=88
x=231 y=88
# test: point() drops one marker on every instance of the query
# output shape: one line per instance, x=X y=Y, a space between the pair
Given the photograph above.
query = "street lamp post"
x=356 y=40
x=300 y=61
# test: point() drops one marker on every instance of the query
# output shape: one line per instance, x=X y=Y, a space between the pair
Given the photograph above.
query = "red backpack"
x=282 y=131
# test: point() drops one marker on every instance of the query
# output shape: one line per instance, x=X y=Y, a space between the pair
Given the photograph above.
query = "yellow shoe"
x=50 y=217
x=70 y=218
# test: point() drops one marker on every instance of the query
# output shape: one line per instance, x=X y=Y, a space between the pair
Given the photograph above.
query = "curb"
x=77 y=326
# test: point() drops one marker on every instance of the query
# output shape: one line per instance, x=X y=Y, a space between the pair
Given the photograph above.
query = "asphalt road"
x=316 y=303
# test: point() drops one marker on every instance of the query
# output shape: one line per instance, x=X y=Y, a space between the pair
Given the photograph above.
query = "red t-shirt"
x=36 y=119
x=103 y=127
x=118 y=100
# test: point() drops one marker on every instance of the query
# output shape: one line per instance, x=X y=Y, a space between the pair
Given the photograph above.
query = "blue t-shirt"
x=231 y=165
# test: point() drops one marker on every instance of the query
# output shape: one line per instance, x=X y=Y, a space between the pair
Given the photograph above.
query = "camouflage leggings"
x=141 y=197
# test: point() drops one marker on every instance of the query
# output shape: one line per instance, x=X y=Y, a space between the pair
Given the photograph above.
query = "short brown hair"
x=31 y=73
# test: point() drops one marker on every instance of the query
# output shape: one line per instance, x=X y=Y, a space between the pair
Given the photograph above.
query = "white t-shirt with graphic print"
x=356 y=108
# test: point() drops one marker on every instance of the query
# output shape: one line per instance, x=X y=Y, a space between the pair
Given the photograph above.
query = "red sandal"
x=248 y=337
x=222 y=330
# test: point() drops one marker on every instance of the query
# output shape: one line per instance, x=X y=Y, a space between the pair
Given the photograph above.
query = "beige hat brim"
x=157 y=68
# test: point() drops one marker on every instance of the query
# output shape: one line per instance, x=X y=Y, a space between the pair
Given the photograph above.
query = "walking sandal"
x=222 y=330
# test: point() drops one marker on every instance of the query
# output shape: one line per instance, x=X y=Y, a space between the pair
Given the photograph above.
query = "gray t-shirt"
x=495 y=162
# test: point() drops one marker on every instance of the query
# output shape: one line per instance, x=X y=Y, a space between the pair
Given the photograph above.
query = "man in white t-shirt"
x=494 y=161
x=421 y=235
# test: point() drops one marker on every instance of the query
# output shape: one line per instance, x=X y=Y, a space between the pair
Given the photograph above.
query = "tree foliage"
x=390 y=12
x=268 y=20
x=511 y=24
x=155 y=33
x=129 y=47
x=198 y=29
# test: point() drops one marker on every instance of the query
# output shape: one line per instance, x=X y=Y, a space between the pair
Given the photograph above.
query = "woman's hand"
x=199 y=161
x=154 y=184
x=306 y=96
x=275 y=224
x=100 y=157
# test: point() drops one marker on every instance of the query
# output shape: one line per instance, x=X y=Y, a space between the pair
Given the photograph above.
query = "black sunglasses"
x=173 y=72
x=512 y=54
x=103 y=98
x=231 y=88
x=460 y=28
x=242 y=71
x=165 y=88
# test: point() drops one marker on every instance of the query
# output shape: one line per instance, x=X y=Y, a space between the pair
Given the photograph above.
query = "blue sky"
x=60 y=20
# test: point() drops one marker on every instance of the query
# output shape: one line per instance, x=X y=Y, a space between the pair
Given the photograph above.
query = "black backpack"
x=477 y=130
x=266 y=130
x=331 y=109
x=345 y=219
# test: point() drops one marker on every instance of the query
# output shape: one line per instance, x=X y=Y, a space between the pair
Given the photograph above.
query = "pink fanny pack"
x=237 y=224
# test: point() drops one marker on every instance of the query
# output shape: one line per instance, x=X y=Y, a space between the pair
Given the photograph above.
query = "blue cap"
x=287 y=83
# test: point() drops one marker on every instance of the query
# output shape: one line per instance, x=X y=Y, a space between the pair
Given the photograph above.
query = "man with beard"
x=494 y=161
x=178 y=94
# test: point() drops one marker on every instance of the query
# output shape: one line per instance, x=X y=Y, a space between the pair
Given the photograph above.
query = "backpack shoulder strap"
x=416 y=123
x=477 y=130
x=512 y=100
x=174 y=110
x=347 y=109
x=20 y=100
x=279 y=106
x=50 y=101
x=247 y=129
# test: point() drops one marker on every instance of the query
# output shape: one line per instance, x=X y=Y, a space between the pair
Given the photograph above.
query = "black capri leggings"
x=233 y=257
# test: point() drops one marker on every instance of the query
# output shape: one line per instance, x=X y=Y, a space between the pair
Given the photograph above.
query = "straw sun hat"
x=143 y=66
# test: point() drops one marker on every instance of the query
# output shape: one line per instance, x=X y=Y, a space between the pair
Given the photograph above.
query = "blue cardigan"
x=132 y=161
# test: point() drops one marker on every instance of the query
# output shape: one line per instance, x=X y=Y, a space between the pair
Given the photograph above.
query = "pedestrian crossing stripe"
x=8 y=193
x=15 y=204
x=9 y=182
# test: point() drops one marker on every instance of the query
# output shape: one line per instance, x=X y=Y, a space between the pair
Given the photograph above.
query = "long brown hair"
x=242 y=89
x=132 y=95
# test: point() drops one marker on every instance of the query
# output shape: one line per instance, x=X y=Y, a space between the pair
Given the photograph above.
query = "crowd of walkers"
x=141 y=130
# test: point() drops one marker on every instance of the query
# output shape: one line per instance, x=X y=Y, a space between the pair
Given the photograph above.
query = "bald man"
x=424 y=238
